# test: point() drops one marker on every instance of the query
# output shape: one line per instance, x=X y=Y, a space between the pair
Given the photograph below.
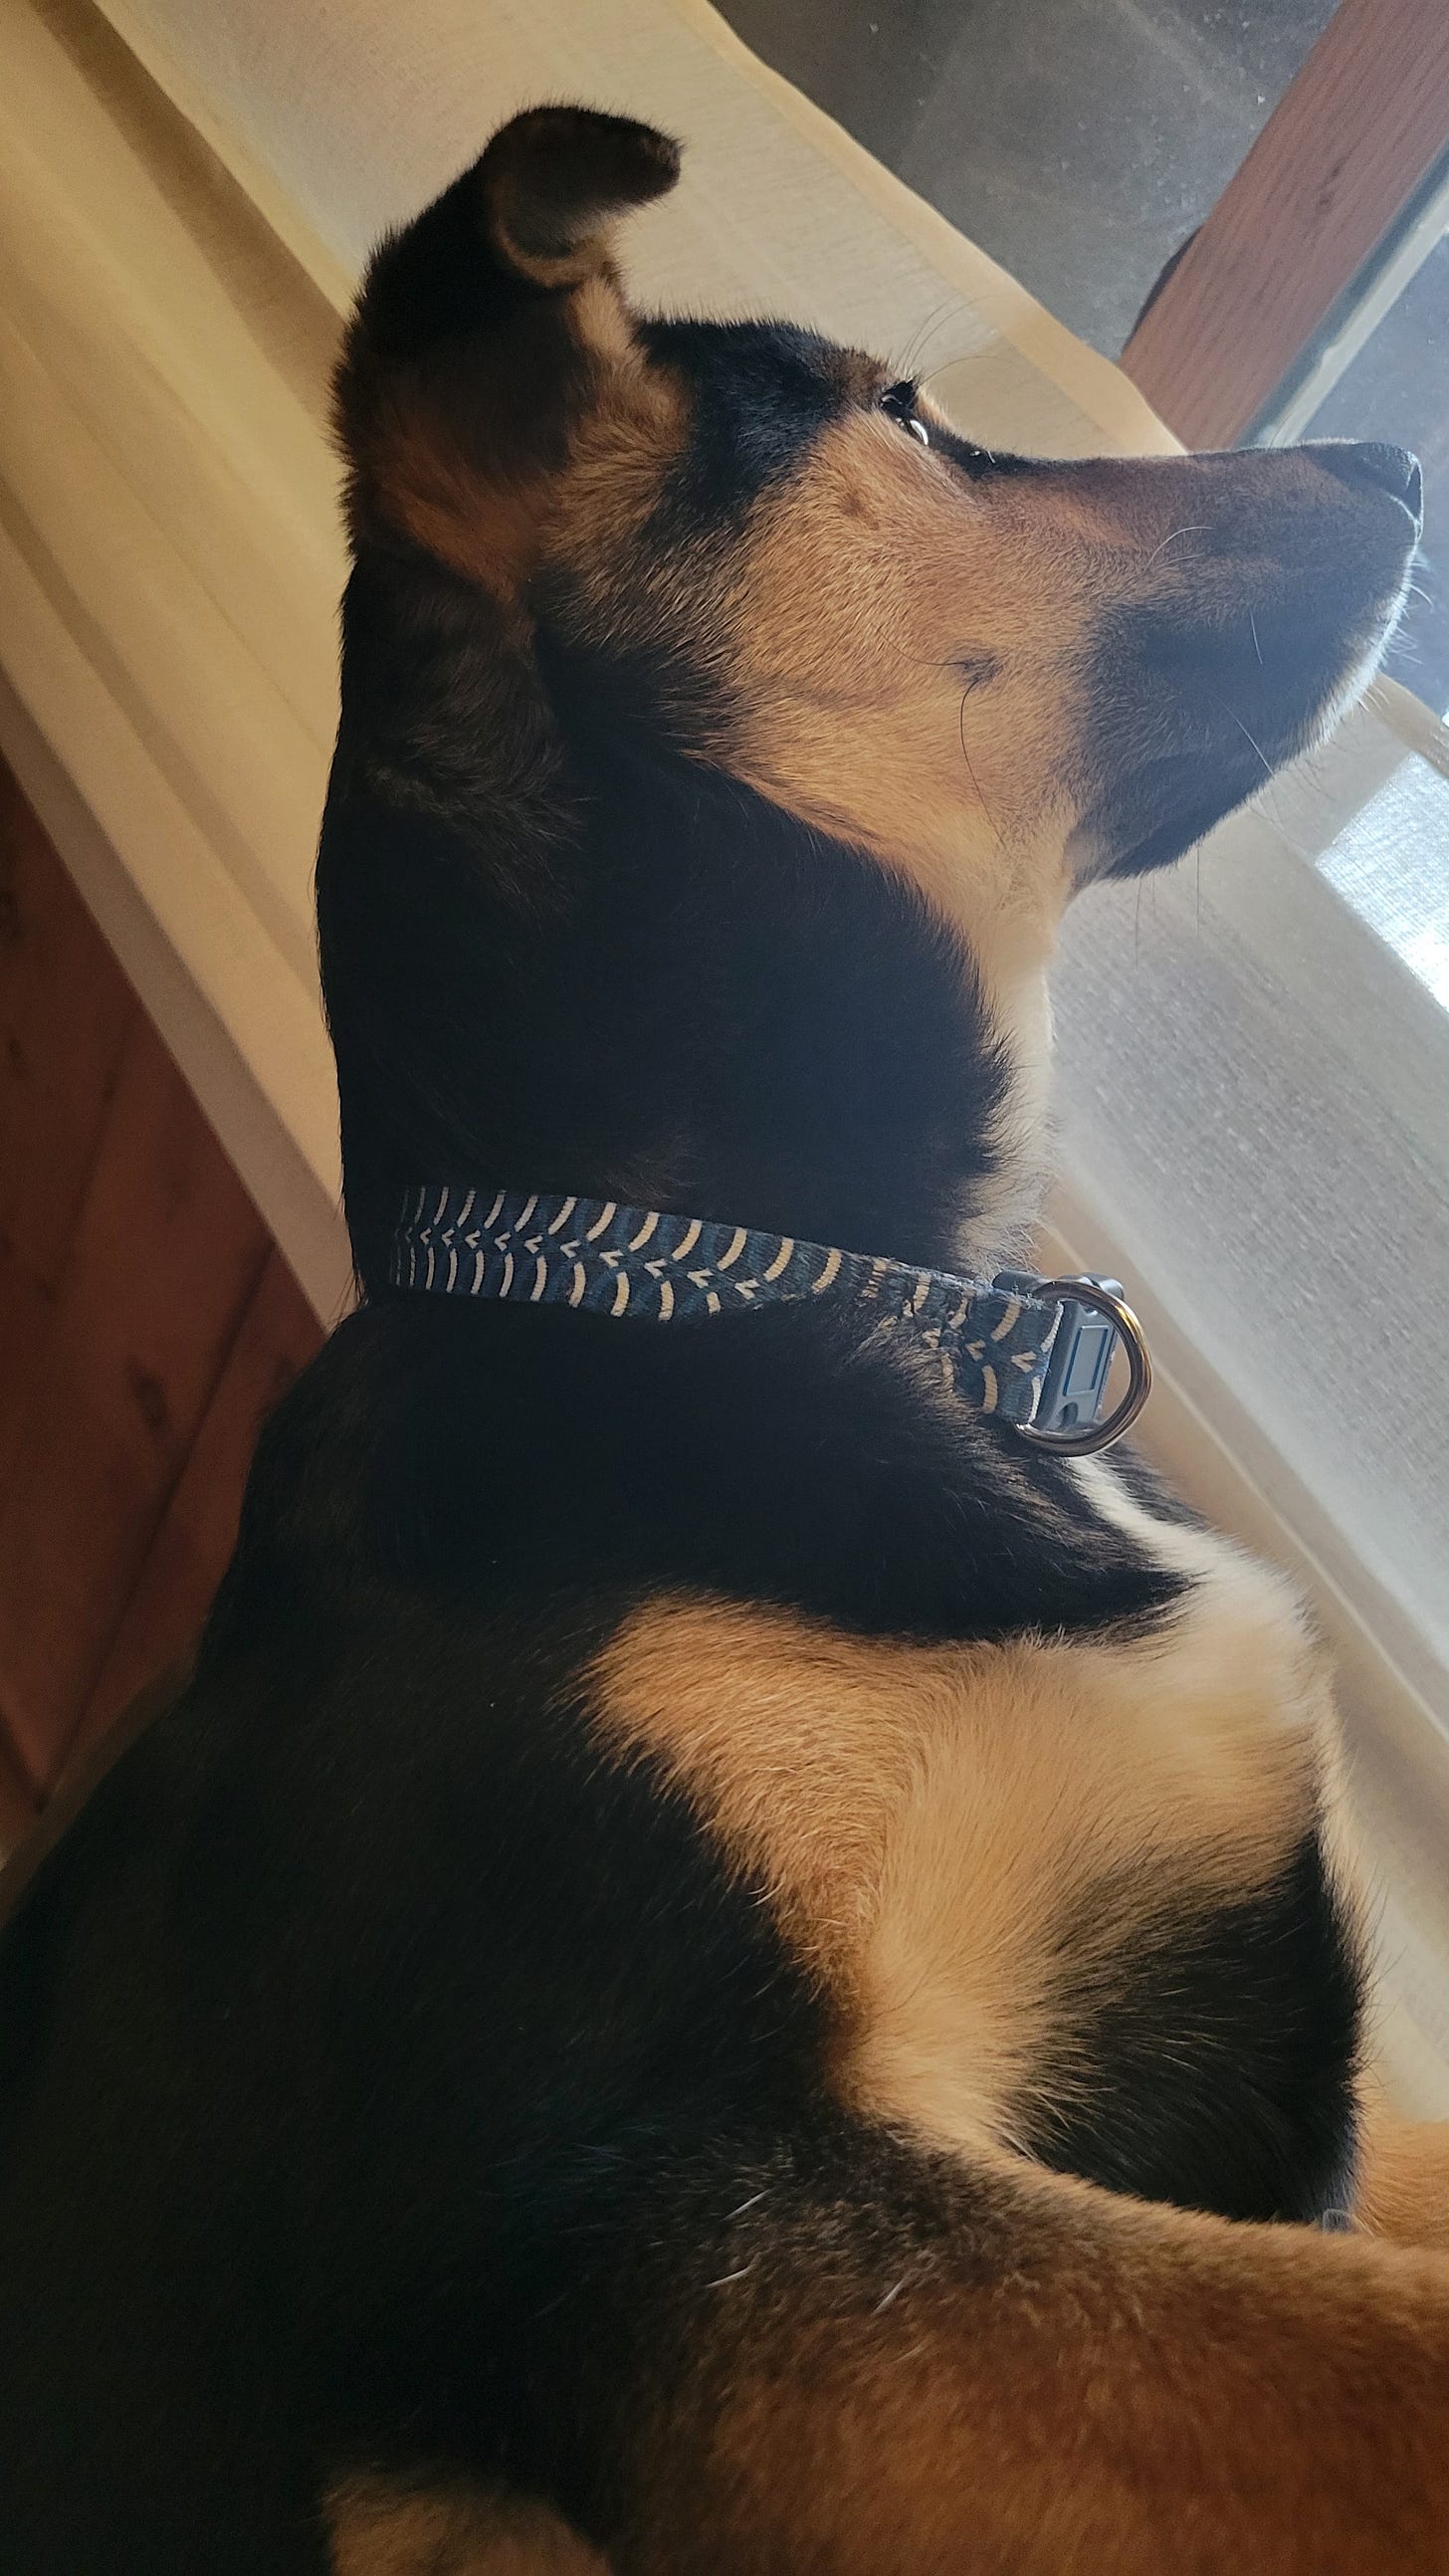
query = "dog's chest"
x=970 y=1845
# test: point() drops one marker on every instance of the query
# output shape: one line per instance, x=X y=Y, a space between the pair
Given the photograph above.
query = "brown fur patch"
x=1075 y=2382
x=482 y=524
x=926 y=1818
x=616 y=466
x=381 y=2529
x=490 y=486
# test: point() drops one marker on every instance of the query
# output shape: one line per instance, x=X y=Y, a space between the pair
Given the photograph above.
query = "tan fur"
x=381 y=2529
x=927 y=1817
x=1404 y=2176
x=618 y=461
x=865 y=586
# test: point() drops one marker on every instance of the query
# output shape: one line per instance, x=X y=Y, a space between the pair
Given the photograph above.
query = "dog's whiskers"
x=910 y=360
x=739 y=2274
x=970 y=766
x=956 y=359
x=1199 y=529
x=1243 y=730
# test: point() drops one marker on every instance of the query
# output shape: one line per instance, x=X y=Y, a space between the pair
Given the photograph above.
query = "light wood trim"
x=1349 y=143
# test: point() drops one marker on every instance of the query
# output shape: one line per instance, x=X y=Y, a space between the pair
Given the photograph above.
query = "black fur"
x=709 y=1009
x=761 y=391
x=1214 y=2057
x=380 y=2063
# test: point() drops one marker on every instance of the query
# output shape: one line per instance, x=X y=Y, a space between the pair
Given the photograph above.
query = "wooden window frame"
x=1340 y=194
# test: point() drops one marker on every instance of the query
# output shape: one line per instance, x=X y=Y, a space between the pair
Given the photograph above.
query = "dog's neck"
x=592 y=963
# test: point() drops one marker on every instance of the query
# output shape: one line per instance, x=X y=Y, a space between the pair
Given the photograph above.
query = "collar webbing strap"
x=538 y=1248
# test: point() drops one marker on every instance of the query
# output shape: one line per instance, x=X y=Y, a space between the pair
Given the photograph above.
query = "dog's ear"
x=485 y=335
x=556 y=182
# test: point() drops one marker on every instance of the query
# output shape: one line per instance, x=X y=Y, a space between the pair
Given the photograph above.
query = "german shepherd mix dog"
x=730 y=1968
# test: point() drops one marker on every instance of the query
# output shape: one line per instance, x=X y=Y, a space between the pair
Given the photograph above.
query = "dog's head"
x=994 y=678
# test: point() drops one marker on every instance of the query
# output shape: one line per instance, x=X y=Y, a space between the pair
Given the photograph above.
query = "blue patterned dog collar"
x=1036 y=1352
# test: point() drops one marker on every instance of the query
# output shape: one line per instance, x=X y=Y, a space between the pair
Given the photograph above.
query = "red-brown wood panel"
x=1343 y=153
x=279 y=1334
x=64 y=1010
x=147 y=1322
x=17 y=1803
x=166 y=1253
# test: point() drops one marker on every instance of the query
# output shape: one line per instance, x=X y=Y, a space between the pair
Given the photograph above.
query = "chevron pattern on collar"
x=992 y=1343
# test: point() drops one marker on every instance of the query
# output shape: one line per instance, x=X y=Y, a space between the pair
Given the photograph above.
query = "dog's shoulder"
x=1000 y=1781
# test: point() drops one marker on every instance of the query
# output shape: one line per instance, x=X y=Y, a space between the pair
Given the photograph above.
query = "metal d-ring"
x=1097 y=1435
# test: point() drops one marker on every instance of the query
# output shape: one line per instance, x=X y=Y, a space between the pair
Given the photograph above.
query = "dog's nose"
x=1373 y=461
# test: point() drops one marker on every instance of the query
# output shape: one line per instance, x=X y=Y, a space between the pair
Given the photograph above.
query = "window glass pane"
x=1078 y=141
x=1370 y=812
x=1254 y=1096
x=1398 y=387
x=1408 y=905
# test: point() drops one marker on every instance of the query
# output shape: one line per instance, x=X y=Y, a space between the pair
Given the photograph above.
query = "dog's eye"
x=899 y=401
